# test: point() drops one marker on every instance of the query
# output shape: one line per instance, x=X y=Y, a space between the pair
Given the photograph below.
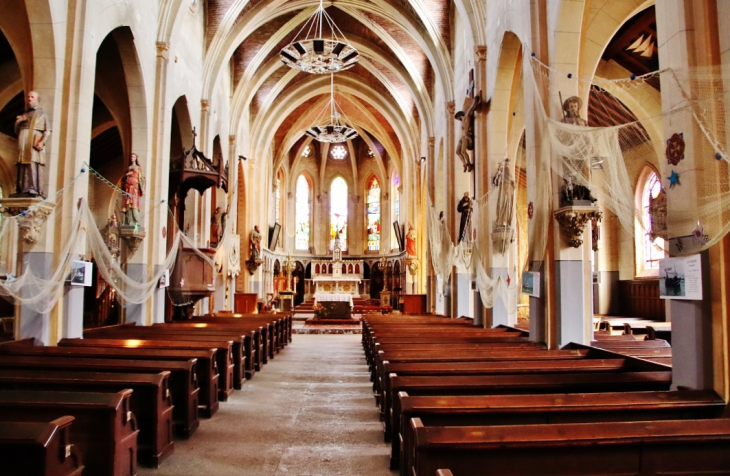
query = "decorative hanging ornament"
x=331 y=129
x=530 y=210
x=508 y=280
x=316 y=55
x=698 y=235
x=675 y=148
x=673 y=179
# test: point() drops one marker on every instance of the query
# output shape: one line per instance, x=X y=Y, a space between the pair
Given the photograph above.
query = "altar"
x=331 y=285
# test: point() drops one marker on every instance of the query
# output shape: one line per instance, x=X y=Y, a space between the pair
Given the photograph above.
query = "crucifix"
x=466 y=116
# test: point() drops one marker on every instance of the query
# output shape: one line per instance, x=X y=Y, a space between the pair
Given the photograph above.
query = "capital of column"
x=431 y=141
x=480 y=53
x=163 y=50
x=204 y=103
x=231 y=140
x=450 y=108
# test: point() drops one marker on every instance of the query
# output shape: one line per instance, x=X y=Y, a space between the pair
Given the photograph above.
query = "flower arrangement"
x=319 y=311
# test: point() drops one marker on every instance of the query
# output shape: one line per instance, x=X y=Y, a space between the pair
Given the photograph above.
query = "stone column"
x=689 y=37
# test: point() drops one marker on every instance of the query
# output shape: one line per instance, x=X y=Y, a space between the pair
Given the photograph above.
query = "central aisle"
x=310 y=411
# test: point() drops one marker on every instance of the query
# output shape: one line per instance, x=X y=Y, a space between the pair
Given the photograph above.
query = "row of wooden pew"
x=491 y=402
x=96 y=405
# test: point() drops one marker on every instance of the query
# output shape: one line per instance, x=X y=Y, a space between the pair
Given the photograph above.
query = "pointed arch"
x=303 y=213
x=372 y=212
x=339 y=200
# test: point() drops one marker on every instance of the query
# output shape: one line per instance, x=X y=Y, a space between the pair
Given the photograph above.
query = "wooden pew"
x=39 y=449
x=151 y=401
x=207 y=366
x=697 y=447
x=223 y=357
x=274 y=331
x=486 y=355
x=183 y=380
x=578 y=382
x=462 y=410
x=220 y=341
x=513 y=367
x=104 y=428
x=252 y=351
x=280 y=330
x=406 y=342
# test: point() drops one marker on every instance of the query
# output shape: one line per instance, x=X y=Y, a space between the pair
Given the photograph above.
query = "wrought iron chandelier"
x=332 y=129
x=319 y=55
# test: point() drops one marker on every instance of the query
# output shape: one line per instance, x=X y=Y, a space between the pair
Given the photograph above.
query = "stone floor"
x=309 y=412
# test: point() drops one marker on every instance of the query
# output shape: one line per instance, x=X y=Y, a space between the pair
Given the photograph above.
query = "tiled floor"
x=309 y=412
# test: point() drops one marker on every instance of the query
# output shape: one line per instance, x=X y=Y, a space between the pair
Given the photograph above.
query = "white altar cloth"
x=326 y=297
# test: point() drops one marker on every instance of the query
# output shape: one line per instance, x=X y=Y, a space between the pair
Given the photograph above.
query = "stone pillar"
x=485 y=316
x=31 y=323
x=688 y=37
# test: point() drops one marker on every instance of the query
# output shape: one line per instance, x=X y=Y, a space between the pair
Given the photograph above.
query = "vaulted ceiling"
x=404 y=46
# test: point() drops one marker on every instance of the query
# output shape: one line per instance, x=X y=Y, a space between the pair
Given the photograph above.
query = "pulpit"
x=192 y=278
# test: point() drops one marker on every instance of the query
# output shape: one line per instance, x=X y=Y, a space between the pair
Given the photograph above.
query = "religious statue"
x=571 y=111
x=255 y=243
x=411 y=241
x=505 y=196
x=216 y=226
x=466 y=141
x=133 y=185
x=33 y=130
x=571 y=191
x=464 y=207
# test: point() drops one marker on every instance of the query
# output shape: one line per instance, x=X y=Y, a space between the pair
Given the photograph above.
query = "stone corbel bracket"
x=572 y=221
x=412 y=266
x=32 y=213
x=132 y=236
x=252 y=265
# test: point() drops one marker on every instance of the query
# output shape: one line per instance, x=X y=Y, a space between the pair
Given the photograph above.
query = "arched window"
x=650 y=247
x=395 y=212
x=338 y=212
x=301 y=240
x=277 y=199
x=373 y=214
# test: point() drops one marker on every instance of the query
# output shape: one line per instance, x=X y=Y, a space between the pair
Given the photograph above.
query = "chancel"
x=506 y=222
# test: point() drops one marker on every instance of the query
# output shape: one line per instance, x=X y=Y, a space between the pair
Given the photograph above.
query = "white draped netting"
x=76 y=231
x=606 y=161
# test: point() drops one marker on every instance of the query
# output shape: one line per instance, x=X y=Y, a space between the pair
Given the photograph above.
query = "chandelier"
x=319 y=55
x=331 y=129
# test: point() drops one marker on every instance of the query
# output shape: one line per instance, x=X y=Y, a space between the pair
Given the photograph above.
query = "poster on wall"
x=531 y=283
x=165 y=279
x=680 y=278
x=80 y=273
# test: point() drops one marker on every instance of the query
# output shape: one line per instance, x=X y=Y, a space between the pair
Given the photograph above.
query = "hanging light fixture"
x=318 y=55
x=331 y=129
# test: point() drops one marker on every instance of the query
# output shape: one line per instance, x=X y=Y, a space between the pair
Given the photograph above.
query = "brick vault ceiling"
x=393 y=82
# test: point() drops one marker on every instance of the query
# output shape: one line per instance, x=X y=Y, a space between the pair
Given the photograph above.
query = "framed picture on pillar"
x=531 y=283
x=399 y=235
x=81 y=273
x=274 y=232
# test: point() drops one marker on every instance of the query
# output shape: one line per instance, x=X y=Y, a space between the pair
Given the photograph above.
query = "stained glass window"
x=306 y=152
x=373 y=212
x=653 y=247
x=338 y=212
x=339 y=152
x=277 y=194
x=395 y=193
x=301 y=239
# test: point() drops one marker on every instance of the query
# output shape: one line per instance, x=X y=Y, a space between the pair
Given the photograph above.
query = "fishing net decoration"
x=75 y=230
x=608 y=159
